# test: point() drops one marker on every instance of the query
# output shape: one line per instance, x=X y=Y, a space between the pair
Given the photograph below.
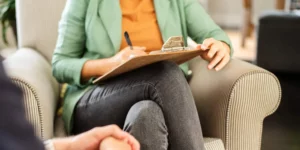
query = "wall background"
x=229 y=13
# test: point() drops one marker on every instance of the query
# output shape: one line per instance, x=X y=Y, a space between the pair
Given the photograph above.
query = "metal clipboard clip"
x=174 y=43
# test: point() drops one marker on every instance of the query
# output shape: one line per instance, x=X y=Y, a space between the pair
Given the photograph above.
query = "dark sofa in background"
x=278 y=46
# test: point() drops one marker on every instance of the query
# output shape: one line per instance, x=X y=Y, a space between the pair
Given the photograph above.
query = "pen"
x=126 y=35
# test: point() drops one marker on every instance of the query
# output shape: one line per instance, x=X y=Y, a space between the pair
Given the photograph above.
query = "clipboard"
x=179 y=57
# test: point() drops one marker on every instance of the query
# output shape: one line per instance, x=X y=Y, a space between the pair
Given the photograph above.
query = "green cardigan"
x=91 y=29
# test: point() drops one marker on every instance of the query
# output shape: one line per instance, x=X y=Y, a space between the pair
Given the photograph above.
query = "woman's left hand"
x=217 y=53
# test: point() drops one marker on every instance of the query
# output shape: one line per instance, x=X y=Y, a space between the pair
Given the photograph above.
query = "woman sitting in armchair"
x=153 y=103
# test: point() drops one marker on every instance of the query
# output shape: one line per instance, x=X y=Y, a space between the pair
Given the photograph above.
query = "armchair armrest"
x=32 y=73
x=233 y=103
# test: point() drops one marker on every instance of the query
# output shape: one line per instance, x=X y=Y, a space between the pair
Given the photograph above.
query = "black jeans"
x=154 y=104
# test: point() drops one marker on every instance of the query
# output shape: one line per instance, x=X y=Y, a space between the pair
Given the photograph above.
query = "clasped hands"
x=102 y=138
x=217 y=53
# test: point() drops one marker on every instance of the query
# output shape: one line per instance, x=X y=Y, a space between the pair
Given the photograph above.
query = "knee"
x=169 y=71
x=169 y=66
x=146 y=123
x=147 y=109
x=145 y=112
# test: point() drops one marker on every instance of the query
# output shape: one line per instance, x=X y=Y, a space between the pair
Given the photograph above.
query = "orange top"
x=139 y=20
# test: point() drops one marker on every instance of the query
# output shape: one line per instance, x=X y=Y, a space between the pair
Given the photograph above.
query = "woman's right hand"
x=99 y=67
x=127 y=53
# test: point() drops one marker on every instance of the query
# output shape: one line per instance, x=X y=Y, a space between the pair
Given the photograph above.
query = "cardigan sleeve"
x=200 y=26
x=67 y=61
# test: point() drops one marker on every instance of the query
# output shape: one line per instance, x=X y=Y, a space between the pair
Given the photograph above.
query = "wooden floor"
x=247 y=53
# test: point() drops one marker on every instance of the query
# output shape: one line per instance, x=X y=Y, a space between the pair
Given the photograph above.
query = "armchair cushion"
x=32 y=73
x=213 y=144
x=233 y=103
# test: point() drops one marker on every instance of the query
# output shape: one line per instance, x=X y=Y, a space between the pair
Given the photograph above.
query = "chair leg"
x=280 y=4
x=244 y=30
x=247 y=27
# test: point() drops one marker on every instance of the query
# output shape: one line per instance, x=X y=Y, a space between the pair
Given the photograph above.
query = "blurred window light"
x=292 y=5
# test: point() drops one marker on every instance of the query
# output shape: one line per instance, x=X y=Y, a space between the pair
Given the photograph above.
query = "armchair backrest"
x=37 y=22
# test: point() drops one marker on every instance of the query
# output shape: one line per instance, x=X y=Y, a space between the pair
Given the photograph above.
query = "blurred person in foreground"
x=17 y=134
x=153 y=103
